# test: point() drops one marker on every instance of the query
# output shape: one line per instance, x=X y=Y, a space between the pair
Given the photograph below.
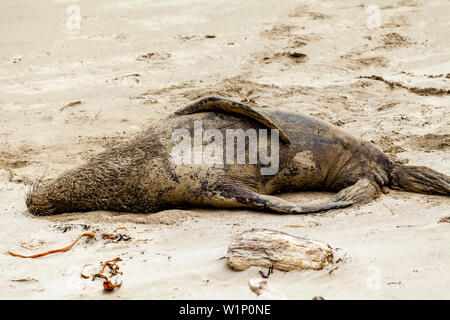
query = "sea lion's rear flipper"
x=238 y=196
x=363 y=191
x=420 y=180
x=226 y=105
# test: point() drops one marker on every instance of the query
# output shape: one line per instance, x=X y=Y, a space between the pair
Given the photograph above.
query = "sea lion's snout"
x=39 y=203
x=41 y=209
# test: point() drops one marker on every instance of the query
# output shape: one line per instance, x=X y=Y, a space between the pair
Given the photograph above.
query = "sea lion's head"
x=47 y=199
x=90 y=187
x=67 y=193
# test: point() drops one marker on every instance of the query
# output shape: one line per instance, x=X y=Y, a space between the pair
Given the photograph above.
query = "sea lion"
x=141 y=175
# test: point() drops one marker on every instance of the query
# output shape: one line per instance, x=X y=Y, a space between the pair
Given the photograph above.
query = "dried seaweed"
x=53 y=251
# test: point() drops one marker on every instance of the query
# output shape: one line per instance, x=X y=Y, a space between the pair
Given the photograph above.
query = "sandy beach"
x=77 y=77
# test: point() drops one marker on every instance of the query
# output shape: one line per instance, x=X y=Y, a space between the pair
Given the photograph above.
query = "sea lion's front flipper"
x=238 y=196
x=226 y=105
x=363 y=191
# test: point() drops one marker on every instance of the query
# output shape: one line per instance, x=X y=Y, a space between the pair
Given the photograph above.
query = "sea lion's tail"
x=420 y=180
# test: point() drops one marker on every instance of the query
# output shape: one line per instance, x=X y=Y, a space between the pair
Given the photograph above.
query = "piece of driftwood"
x=282 y=251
